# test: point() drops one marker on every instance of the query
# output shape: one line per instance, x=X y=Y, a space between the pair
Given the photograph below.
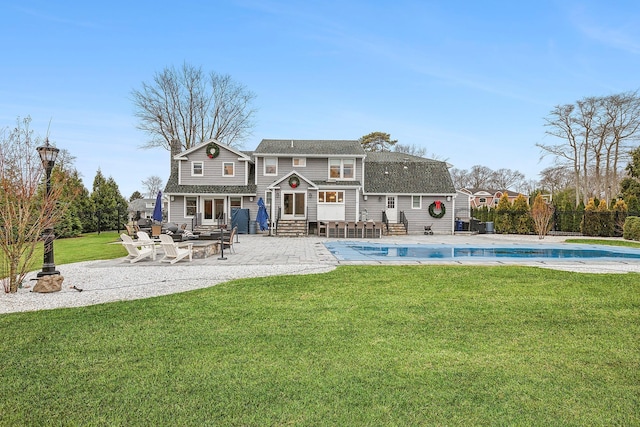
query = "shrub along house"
x=305 y=183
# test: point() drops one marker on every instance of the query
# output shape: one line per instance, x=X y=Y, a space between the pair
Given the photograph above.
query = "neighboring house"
x=143 y=208
x=479 y=197
x=307 y=182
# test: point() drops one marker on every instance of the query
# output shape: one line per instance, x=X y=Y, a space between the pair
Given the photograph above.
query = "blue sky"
x=471 y=81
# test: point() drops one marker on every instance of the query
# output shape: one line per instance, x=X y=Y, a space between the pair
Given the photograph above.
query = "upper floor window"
x=270 y=166
x=197 y=169
x=416 y=202
x=342 y=168
x=299 y=162
x=228 y=169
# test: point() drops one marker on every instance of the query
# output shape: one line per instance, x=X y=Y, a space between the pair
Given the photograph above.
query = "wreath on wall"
x=437 y=206
x=213 y=150
x=294 y=182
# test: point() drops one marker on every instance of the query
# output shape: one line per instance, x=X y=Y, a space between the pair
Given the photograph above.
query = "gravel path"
x=101 y=282
x=255 y=256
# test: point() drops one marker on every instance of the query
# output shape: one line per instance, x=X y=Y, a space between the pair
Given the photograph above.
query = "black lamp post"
x=48 y=154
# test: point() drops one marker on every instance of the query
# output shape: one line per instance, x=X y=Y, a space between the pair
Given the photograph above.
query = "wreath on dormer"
x=437 y=206
x=213 y=150
x=294 y=182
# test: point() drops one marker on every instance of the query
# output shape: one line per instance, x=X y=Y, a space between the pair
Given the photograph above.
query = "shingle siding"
x=376 y=175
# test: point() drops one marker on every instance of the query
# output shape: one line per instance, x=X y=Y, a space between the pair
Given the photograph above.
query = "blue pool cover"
x=357 y=251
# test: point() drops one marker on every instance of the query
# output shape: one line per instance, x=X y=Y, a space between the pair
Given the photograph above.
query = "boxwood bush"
x=631 y=229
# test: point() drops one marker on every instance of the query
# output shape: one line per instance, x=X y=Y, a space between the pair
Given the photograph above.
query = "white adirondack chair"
x=174 y=252
x=137 y=251
x=143 y=239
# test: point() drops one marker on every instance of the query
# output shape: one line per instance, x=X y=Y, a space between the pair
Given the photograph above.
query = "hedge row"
x=631 y=229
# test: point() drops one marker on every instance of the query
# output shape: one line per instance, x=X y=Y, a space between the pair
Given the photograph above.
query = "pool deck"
x=259 y=256
x=260 y=249
x=499 y=240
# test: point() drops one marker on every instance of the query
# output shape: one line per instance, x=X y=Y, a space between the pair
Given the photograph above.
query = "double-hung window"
x=190 y=206
x=342 y=168
x=197 y=169
x=271 y=166
x=228 y=169
x=416 y=202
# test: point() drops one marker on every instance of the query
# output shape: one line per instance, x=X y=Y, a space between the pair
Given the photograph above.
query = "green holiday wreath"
x=294 y=182
x=439 y=206
x=213 y=150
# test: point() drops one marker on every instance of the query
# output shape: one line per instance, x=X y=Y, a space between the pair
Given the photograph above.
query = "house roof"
x=173 y=187
x=183 y=155
x=140 y=204
x=400 y=173
x=307 y=148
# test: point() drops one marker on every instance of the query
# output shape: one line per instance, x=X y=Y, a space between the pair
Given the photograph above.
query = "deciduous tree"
x=542 y=214
x=594 y=135
x=25 y=208
x=190 y=106
x=152 y=184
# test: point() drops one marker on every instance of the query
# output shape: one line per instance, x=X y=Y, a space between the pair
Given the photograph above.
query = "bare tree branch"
x=190 y=106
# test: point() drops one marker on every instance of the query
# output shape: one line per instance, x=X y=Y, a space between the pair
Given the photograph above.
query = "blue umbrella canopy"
x=157 y=209
x=263 y=217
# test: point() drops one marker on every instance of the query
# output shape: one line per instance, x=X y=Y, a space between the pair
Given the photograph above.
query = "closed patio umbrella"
x=157 y=209
x=263 y=217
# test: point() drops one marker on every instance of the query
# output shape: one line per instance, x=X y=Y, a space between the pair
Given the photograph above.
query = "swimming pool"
x=358 y=251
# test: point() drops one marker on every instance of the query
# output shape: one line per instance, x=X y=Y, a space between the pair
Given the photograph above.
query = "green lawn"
x=88 y=247
x=362 y=345
x=594 y=241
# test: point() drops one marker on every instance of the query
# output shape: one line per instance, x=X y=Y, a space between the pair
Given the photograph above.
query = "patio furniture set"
x=347 y=229
x=145 y=247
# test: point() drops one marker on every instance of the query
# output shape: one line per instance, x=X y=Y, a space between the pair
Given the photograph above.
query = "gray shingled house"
x=305 y=183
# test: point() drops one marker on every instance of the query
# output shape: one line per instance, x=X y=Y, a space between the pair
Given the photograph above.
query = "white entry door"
x=392 y=210
x=213 y=211
x=294 y=205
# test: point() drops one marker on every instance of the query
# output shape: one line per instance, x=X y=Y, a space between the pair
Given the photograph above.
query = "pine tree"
x=108 y=204
x=522 y=221
x=590 y=224
x=503 y=214
x=619 y=216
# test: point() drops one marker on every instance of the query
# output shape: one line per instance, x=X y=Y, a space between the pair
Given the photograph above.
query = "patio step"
x=396 y=230
x=291 y=228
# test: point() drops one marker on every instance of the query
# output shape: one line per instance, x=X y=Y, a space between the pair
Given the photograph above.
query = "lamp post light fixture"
x=48 y=154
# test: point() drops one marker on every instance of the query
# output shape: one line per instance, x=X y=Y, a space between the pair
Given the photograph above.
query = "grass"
x=362 y=345
x=88 y=247
x=625 y=243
